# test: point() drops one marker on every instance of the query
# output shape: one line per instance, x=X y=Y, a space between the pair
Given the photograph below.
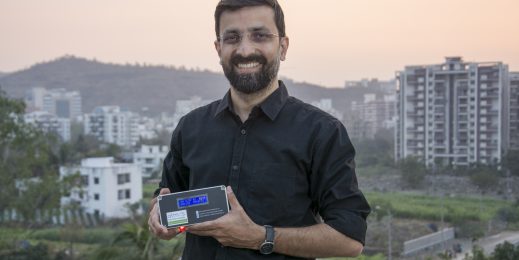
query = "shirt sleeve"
x=175 y=175
x=334 y=185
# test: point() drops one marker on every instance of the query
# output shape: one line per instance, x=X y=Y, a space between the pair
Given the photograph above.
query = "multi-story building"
x=149 y=158
x=326 y=105
x=373 y=114
x=112 y=125
x=49 y=123
x=454 y=113
x=387 y=86
x=59 y=102
x=185 y=106
x=106 y=188
x=514 y=110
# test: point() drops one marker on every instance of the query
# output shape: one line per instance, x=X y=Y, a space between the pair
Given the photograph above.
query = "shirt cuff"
x=348 y=223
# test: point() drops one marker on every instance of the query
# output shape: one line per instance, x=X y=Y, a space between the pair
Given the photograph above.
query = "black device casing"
x=172 y=215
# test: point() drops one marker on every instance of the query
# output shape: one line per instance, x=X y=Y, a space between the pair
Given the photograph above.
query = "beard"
x=249 y=83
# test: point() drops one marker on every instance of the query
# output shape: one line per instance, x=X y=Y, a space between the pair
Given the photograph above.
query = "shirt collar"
x=270 y=107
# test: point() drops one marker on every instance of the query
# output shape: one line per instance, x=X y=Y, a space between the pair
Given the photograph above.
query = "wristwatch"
x=267 y=247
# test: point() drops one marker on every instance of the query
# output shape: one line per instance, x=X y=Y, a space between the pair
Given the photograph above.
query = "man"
x=289 y=167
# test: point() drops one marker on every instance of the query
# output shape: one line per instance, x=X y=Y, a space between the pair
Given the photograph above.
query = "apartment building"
x=374 y=113
x=514 y=110
x=326 y=105
x=59 y=102
x=453 y=113
x=49 y=123
x=112 y=125
x=106 y=188
x=150 y=158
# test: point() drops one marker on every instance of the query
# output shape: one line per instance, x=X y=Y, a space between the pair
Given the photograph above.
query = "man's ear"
x=284 y=47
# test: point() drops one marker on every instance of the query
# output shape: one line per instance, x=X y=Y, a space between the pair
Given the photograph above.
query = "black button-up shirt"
x=290 y=164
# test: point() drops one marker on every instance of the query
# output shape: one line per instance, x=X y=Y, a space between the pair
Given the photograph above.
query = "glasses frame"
x=249 y=36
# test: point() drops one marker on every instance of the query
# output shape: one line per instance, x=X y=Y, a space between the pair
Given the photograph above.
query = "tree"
x=505 y=251
x=484 y=177
x=413 y=171
x=510 y=162
x=29 y=165
x=376 y=151
x=477 y=254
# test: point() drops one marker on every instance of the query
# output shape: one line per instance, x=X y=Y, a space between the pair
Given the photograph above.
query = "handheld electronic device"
x=190 y=207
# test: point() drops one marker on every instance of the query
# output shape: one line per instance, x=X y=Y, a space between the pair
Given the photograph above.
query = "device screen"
x=192 y=201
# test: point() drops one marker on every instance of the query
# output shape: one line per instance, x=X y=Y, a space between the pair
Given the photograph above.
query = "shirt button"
x=235 y=167
x=243 y=131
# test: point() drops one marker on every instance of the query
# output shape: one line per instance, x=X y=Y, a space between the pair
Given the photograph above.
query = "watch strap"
x=269 y=236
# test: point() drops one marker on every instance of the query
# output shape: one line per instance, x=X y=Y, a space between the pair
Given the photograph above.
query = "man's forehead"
x=251 y=18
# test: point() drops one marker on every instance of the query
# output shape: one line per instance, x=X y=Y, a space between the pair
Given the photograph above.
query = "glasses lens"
x=231 y=38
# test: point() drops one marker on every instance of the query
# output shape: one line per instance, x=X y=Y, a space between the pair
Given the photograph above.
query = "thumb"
x=164 y=191
x=233 y=201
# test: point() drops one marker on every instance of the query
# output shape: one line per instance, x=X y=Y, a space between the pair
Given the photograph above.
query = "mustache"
x=251 y=58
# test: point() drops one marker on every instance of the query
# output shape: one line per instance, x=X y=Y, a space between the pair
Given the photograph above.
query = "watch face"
x=267 y=248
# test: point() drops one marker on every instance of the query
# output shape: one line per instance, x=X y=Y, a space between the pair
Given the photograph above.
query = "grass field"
x=423 y=207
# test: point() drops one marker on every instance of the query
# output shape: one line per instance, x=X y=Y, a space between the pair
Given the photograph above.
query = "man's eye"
x=233 y=38
x=259 y=37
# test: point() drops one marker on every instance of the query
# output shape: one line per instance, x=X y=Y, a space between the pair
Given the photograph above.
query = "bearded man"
x=288 y=166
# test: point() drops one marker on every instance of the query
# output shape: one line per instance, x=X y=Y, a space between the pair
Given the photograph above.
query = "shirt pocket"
x=270 y=193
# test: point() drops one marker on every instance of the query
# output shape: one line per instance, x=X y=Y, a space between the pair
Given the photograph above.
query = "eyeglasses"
x=256 y=37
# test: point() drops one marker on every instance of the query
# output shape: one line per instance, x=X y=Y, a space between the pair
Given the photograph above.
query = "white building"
x=387 y=86
x=150 y=158
x=454 y=113
x=107 y=188
x=59 y=102
x=374 y=113
x=112 y=125
x=49 y=123
x=326 y=105
x=185 y=106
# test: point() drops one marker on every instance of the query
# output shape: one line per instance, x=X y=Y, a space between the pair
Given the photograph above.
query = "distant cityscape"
x=455 y=113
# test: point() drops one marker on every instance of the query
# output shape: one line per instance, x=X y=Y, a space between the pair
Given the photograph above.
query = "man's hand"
x=154 y=223
x=235 y=229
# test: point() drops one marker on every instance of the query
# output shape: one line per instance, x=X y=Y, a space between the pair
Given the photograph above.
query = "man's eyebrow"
x=258 y=28
x=231 y=31
x=251 y=29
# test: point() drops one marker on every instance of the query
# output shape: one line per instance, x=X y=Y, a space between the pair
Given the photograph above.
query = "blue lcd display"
x=192 y=201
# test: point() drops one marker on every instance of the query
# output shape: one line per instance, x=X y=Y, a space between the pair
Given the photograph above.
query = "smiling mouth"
x=248 y=65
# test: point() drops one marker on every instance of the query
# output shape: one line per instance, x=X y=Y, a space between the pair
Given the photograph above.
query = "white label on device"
x=177 y=217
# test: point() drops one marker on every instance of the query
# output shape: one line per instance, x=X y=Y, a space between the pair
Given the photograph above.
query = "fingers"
x=156 y=228
x=164 y=191
x=233 y=201
x=204 y=226
x=154 y=200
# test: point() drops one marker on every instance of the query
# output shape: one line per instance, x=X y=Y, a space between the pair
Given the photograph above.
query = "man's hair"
x=233 y=5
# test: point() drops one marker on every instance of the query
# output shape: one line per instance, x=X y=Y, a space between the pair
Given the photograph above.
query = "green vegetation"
x=37 y=177
x=405 y=205
x=413 y=172
x=148 y=189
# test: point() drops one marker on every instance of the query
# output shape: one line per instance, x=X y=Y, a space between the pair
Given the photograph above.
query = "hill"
x=135 y=86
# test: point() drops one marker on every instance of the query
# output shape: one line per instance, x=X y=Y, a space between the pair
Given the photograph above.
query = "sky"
x=331 y=41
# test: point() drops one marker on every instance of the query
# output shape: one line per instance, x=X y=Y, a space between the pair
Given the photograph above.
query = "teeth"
x=248 y=65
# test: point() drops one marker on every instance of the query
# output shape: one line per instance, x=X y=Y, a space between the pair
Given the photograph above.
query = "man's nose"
x=246 y=47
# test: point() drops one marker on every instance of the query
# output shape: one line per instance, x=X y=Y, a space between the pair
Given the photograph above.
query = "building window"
x=96 y=196
x=96 y=180
x=84 y=180
x=123 y=194
x=123 y=178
